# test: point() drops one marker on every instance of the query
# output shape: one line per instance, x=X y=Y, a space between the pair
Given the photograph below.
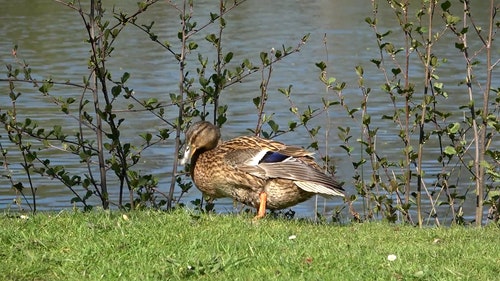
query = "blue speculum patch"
x=273 y=157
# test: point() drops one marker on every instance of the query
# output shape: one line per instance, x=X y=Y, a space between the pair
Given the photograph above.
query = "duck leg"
x=262 y=206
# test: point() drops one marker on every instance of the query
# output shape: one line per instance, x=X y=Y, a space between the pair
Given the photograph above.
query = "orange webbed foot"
x=262 y=206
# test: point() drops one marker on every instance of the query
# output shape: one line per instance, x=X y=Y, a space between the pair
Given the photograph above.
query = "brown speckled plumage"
x=237 y=169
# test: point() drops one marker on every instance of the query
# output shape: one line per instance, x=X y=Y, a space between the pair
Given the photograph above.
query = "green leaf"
x=274 y=126
x=256 y=102
x=453 y=128
x=211 y=38
x=450 y=150
x=451 y=20
x=151 y=102
x=321 y=65
x=348 y=149
x=30 y=157
x=434 y=60
x=494 y=194
x=305 y=37
x=460 y=46
x=164 y=134
x=278 y=54
x=228 y=57
x=125 y=77
x=366 y=119
x=359 y=70
x=445 y=5
x=116 y=90
x=263 y=58
x=192 y=46
x=376 y=62
x=44 y=89
x=147 y=137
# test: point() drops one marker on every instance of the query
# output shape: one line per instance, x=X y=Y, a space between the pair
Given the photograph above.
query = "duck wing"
x=286 y=163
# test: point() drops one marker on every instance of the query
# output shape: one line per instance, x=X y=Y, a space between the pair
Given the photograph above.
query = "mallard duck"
x=257 y=172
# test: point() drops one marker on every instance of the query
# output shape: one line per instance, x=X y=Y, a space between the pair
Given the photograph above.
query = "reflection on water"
x=51 y=39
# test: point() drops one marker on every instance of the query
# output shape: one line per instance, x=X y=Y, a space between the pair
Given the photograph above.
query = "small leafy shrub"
x=426 y=126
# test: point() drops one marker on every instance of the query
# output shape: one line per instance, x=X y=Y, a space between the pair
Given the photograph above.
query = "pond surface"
x=50 y=38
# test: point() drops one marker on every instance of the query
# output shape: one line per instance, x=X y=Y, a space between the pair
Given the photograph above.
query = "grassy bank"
x=163 y=246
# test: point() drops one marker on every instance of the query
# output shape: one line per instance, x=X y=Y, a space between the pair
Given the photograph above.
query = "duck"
x=261 y=173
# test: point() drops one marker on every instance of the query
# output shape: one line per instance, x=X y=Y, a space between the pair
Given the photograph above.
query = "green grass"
x=171 y=246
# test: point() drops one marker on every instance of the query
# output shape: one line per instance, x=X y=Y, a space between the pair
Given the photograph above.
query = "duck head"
x=201 y=136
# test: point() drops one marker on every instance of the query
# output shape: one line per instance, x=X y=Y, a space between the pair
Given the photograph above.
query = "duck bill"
x=187 y=156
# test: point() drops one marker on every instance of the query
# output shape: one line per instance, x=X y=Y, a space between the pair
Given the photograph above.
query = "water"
x=51 y=39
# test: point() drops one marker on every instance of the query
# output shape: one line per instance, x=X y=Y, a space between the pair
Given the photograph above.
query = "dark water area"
x=50 y=37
